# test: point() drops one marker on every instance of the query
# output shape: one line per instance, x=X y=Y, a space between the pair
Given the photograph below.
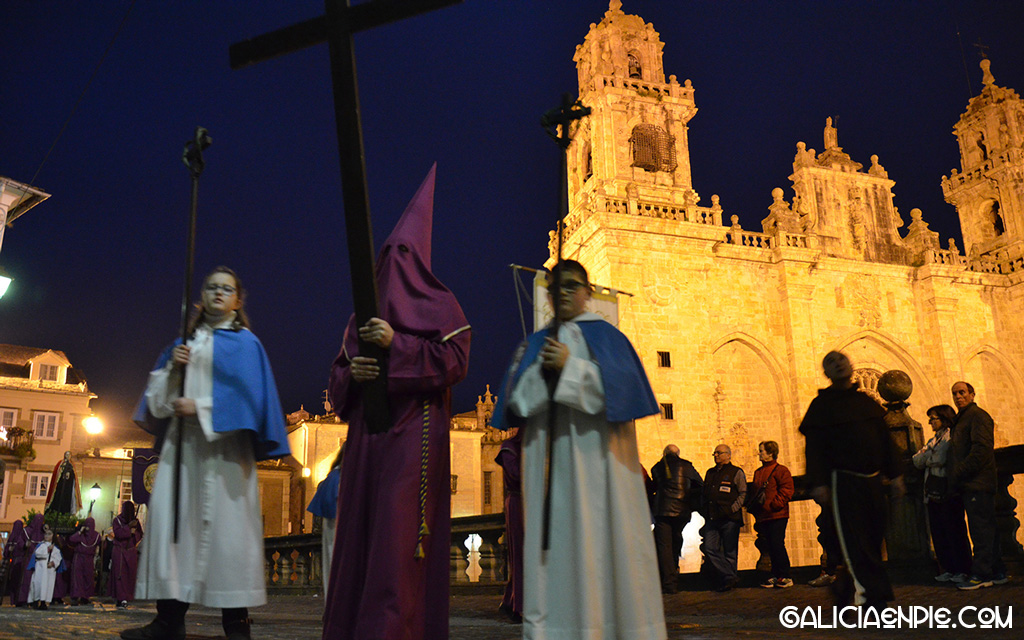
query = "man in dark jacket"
x=850 y=454
x=677 y=490
x=725 y=489
x=972 y=471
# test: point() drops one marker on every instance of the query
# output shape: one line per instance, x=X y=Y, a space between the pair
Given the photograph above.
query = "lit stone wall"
x=747 y=317
x=746 y=329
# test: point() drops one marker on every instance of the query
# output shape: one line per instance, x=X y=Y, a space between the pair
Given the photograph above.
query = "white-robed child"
x=46 y=562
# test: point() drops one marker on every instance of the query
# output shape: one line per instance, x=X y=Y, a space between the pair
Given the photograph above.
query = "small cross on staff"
x=557 y=122
x=982 y=49
x=336 y=27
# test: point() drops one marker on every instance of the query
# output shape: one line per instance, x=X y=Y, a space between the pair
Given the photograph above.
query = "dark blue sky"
x=98 y=266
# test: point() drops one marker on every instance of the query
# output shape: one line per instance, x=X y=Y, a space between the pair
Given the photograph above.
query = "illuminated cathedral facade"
x=732 y=324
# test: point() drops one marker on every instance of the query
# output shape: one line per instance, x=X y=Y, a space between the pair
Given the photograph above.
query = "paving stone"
x=693 y=613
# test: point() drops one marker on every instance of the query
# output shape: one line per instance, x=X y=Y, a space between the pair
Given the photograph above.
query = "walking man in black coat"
x=677 y=490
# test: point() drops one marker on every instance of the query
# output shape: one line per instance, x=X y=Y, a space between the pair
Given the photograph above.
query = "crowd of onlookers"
x=853 y=468
x=42 y=568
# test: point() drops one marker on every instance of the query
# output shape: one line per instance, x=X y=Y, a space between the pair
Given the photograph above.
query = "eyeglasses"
x=719 y=453
x=570 y=286
x=214 y=288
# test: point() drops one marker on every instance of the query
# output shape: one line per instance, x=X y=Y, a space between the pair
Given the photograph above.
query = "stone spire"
x=985 y=190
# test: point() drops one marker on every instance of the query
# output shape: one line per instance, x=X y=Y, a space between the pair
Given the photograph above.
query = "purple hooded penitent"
x=509 y=459
x=84 y=544
x=14 y=554
x=124 y=561
x=389 y=578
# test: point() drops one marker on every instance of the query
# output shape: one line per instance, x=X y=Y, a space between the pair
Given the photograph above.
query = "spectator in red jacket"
x=769 y=496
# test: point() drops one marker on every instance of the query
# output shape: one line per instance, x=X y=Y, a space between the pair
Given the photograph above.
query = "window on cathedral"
x=666 y=411
x=653 y=148
x=487 y=487
x=588 y=161
x=664 y=359
x=997 y=220
x=635 y=71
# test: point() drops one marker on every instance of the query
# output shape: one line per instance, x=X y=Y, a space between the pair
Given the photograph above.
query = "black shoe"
x=122 y=605
x=514 y=617
x=156 y=630
x=238 y=629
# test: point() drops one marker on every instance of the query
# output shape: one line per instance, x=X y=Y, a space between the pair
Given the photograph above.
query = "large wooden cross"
x=336 y=26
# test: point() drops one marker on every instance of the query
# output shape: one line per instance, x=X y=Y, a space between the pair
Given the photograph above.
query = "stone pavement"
x=746 y=612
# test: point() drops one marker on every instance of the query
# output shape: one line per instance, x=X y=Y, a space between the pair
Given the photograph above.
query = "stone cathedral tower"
x=731 y=324
x=988 y=193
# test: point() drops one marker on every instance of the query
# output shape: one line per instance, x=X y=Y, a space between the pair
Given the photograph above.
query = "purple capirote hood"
x=34 y=530
x=412 y=300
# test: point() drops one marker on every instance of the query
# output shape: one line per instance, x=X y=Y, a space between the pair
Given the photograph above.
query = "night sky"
x=99 y=266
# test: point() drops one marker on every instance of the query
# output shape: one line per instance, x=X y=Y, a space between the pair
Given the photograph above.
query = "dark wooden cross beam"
x=336 y=26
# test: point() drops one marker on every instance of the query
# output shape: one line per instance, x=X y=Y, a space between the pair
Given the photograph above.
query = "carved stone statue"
x=907 y=534
x=831 y=135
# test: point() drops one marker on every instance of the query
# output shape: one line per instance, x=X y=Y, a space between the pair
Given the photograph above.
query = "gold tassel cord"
x=424 y=458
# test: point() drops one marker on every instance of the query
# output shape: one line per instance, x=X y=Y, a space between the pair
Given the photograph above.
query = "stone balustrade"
x=749 y=239
x=942 y=256
x=292 y=563
x=478 y=547
x=649 y=88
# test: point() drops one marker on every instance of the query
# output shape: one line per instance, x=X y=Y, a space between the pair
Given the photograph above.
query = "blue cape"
x=244 y=394
x=627 y=392
x=31 y=564
x=325 y=501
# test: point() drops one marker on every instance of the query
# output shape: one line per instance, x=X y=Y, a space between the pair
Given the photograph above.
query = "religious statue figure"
x=831 y=135
x=804 y=156
x=63 y=494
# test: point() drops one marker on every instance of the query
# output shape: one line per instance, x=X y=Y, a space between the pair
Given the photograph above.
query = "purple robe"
x=33 y=537
x=389 y=575
x=83 y=560
x=61 y=584
x=509 y=457
x=14 y=558
x=124 y=562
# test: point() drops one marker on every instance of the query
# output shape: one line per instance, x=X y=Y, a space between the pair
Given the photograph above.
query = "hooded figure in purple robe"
x=33 y=537
x=84 y=544
x=14 y=560
x=124 y=561
x=389 y=576
x=510 y=460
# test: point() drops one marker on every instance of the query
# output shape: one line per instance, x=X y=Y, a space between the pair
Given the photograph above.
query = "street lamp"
x=5 y=281
x=93 y=426
x=94 y=495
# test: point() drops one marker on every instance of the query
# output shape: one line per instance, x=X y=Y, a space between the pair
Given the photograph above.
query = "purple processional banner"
x=144 y=464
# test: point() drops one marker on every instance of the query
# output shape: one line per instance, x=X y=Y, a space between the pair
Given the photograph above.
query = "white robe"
x=43 y=577
x=218 y=560
x=599 y=579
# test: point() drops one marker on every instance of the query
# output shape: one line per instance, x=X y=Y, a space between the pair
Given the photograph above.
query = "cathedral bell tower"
x=988 y=192
x=634 y=146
